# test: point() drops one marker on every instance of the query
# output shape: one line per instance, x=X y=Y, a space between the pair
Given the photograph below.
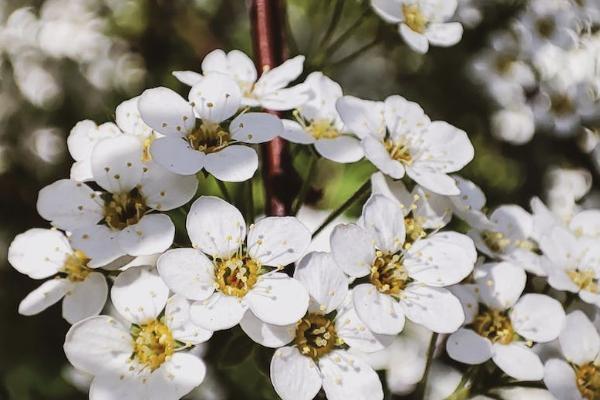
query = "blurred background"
x=526 y=96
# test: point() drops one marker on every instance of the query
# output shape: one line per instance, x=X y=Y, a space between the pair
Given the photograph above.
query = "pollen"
x=208 y=138
x=588 y=381
x=398 y=151
x=153 y=344
x=414 y=230
x=323 y=129
x=414 y=18
x=494 y=325
x=236 y=276
x=315 y=336
x=76 y=266
x=388 y=274
x=585 y=279
x=495 y=241
x=124 y=209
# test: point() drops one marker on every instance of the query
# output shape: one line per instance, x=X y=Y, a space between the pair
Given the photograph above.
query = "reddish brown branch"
x=267 y=18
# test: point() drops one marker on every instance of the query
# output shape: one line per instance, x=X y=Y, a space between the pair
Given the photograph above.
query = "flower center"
x=153 y=343
x=414 y=18
x=585 y=279
x=316 y=336
x=545 y=27
x=588 y=381
x=504 y=63
x=414 y=230
x=208 y=138
x=236 y=276
x=495 y=241
x=76 y=266
x=494 y=325
x=388 y=274
x=398 y=151
x=323 y=129
x=124 y=209
x=561 y=105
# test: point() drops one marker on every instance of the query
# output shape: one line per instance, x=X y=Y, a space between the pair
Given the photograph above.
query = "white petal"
x=218 y=312
x=235 y=163
x=471 y=196
x=99 y=243
x=404 y=117
x=294 y=376
x=356 y=334
x=364 y=118
x=384 y=220
x=513 y=221
x=85 y=299
x=176 y=155
x=389 y=10
x=468 y=347
x=215 y=227
x=189 y=78
x=416 y=41
x=187 y=272
x=139 y=294
x=586 y=222
x=255 y=127
x=380 y=312
x=70 y=205
x=81 y=171
x=518 y=361
x=117 y=163
x=215 y=98
x=395 y=190
x=98 y=345
x=241 y=67
x=378 y=155
x=538 y=317
x=84 y=136
x=176 y=377
x=281 y=99
x=278 y=241
x=560 y=379
x=166 y=112
x=278 y=299
x=326 y=283
x=500 y=284
x=448 y=148
x=433 y=209
x=468 y=297
x=353 y=249
x=267 y=335
x=215 y=61
x=442 y=259
x=163 y=190
x=437 y=182
x=153 y=234
x=346 y=376
x=129 y=119
x=47 y=294
x=446 y=34
x=579 y=340
x=280 y=76
x=343 y=149
x=39 y=253
x=177 y=317
x=295 y=133
x=435 y=308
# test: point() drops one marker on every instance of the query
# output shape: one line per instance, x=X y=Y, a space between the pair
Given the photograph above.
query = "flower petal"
x=176 y=377
x=215 y=227
x=84 y=136
x=176 y=155
x=326 y=283
x=235 y=163
x=378 y=155
x=343 y=149
x=187 y=272
x=448 y=148
x=278 y=299
x=518 y=361
x=435 y=308
x=364 y=118
x=346 y=376
x=117 y=163
x=389 y=10
x=218 y=312
x=416 y=41
x=85 y=299
x=39 y=253
x=255 y=127
x=267 y=335
x=538 y=317
x=579 y=340
x=294 y=376
x=560 y=379
x=586 y=222
x=164 y=191
x=468 y=297
x=97 y=242
x=380 y=312
x=47 y=294
x=166 y=112
x=153 y=234
x=129 y=119
x=280 y=76
x=70 y=205
x=215 y=98
x=189 y=78
x=444 y=34
x=356 y=334
x=177 y=317
x=435 y=181
x=500 y=284
x=295 y=133
x=468 y=347
x=278 y=241
x=384 y=220
x=353 y=249
x=139 y=294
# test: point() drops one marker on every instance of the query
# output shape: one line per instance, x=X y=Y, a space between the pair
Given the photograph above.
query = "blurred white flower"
x=515 y=126
x=48 y=144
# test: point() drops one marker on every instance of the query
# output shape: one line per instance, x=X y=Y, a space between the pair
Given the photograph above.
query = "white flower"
x=107 y=225
x=226 y=278
x=270 y=91
x=318 y=122
x=507 y=324
x=405 y=279
x=190 y=145
x=142 y=359
x=42 y=253
x=319 y=356
x=422 y=22
x=576 y=377
x=515 y=126
x=426 y=150
x=574 y=262
x=508 y=235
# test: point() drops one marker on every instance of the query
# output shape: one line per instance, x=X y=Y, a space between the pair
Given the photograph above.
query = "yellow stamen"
x=153 y=344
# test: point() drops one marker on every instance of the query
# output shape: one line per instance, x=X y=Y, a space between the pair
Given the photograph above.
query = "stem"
x=250 y=194
x=338 y=211
x=336 y=15
x=223 y=190
x=422 y=388
x=355 y=54
x=346 y=34
x=306 y=184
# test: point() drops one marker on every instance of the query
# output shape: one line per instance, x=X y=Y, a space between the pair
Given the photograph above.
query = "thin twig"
x=347 y=33
x=306 y=184
x=224 y=190
x=336 y=16
x=422 y=388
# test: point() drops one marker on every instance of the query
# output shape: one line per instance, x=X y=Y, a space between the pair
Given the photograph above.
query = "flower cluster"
x=409 y=263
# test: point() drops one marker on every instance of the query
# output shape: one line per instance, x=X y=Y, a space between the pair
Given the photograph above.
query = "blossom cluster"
x=487 y=295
